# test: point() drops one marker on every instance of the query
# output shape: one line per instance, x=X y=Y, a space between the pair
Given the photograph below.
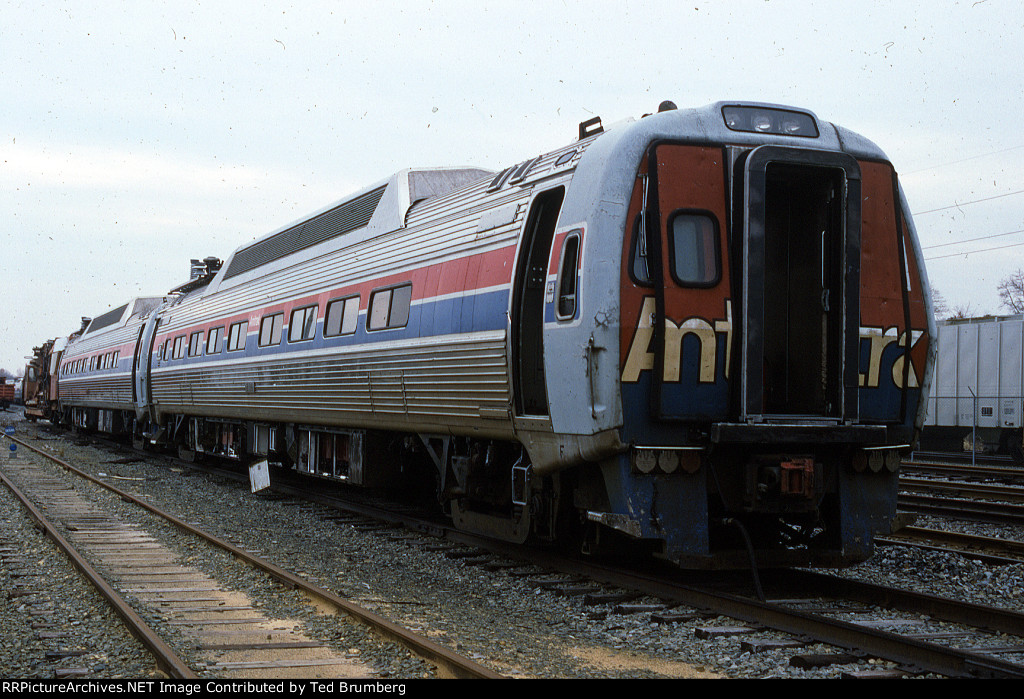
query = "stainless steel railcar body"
x=689 y=324
x=97 y=368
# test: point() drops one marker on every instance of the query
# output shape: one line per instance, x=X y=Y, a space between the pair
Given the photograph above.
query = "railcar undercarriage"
x=743 y=506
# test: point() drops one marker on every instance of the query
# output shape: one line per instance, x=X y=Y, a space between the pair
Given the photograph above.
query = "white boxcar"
x=978 y=385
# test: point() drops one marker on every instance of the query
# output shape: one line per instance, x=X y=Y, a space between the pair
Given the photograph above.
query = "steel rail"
x=448 y=662
x=984 y=548
x=1006 y=473
x=167 y=661
x=1007 y=621
x=911 y=653
x=977 y=491
x=972 y=510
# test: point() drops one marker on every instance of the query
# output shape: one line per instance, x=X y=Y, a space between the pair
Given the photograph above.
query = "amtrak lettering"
x=878 y=339
x=641 y=358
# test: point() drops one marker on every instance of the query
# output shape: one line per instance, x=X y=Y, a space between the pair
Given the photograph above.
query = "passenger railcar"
x=704 y=333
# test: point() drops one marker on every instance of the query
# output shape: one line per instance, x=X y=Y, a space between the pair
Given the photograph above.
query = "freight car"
x=978 y=393
x=704 y=333
x=8 y=393
x=40 y=393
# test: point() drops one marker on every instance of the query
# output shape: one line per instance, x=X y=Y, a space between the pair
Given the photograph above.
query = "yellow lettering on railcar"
x=879 y=339
x=640 y=357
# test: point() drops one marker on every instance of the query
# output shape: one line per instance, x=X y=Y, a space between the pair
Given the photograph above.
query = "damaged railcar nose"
x=757 y=272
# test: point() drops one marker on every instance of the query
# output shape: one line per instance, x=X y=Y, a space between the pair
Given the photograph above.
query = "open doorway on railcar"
x=528 y=303
x=803 y=306
x=802 y=296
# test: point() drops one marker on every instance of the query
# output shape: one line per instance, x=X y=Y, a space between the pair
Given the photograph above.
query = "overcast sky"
x=135 y=136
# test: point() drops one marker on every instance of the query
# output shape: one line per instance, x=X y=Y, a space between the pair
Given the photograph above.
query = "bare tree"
x=939 y=304
x=961 y=311
x=1011 y=291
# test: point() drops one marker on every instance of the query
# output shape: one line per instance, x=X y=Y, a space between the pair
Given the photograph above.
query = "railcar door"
x=685 y=238
x=800 y=284
x=527 y=311
x=141 y=365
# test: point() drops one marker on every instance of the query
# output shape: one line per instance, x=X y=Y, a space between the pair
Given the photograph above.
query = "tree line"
x=1011 y=297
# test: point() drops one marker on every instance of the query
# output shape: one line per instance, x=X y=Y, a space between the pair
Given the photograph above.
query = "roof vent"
x=348 y=216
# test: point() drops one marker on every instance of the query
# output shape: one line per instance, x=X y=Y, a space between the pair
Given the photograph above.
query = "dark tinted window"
x=389 y=308
x=237 y=335
x=342 y=317
x=568 y=277
x=693 y=238
x=270 y=330
x=302 y=325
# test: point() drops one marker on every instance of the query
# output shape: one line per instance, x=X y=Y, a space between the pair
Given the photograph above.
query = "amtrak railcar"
x=705 y=333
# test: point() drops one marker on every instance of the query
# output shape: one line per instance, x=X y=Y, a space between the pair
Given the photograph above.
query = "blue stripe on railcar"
x=457 y=315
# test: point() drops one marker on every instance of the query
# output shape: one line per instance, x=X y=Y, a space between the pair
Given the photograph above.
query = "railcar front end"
x=774 y=342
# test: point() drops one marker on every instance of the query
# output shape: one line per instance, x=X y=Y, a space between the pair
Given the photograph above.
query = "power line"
x=963 y=160
x=972 y=252
x=971 y=240
x=965 y=203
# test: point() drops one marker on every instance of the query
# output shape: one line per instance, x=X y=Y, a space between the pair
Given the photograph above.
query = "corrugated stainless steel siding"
x=453 y=380
x=106 y=390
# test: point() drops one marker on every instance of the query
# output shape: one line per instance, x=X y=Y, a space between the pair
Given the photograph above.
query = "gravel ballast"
x=501 y=621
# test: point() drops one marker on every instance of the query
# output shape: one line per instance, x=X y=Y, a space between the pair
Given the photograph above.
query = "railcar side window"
x=236 y=336
x=195 y=343
x=693 y=243
x=302 y=325
x=213 y=340
x=342 y=317
x=638 y=264
x=568 y=277
x=179 y=347
x=270 y=330
x=389 y=308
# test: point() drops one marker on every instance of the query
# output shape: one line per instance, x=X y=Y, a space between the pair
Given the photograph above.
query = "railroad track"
x=963 y=457
x=141 y=577
x=984 y=548
x=963 y=509
x=972 y=491
x=821 y=618
x=816 y=619
x=1000 y=474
